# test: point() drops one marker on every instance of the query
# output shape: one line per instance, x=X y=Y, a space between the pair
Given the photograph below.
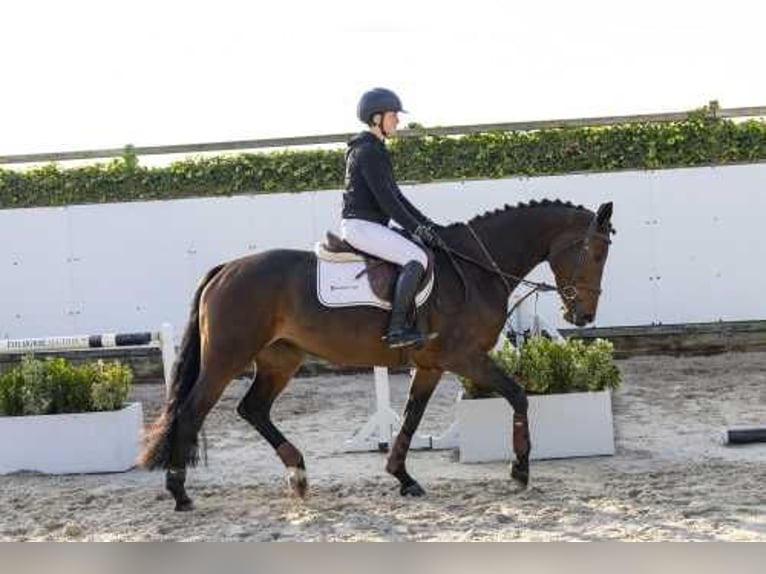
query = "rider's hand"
x=429 y=235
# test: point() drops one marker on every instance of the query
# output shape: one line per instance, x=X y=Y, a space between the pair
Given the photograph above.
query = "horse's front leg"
x=422 y=387
x=484 y=373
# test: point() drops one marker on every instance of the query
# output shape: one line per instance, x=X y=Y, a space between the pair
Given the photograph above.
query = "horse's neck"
x=520 y=239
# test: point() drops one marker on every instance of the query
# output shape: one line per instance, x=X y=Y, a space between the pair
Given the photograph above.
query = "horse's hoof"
x=297 y=481
x=520 y=473
x=184 y=505
x=413 y=489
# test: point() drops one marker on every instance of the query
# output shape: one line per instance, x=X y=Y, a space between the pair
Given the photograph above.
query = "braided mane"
x=522 y=205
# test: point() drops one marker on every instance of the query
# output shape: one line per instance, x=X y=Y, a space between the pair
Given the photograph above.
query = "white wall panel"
x=131 y=263
x=688 y=247
x=35 y=279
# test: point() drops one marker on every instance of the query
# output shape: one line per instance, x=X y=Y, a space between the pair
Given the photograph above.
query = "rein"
x=459 y=270
x=568 y=292
x=494 y=268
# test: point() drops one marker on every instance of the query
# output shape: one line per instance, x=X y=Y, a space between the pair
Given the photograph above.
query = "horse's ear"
x=604 y=215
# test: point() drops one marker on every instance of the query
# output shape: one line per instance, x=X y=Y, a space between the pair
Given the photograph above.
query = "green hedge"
x=701 y=139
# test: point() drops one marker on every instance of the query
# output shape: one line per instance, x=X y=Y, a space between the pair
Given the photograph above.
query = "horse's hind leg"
x=214 y=377
x=207 y=390
x=275 y=365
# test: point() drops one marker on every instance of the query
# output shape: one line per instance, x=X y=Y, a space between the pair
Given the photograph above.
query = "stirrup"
x=408 y=338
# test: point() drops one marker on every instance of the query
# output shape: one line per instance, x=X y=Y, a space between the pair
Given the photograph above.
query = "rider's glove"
x=428 y=235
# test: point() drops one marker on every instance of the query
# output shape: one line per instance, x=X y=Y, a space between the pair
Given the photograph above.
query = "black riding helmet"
x=377 y=101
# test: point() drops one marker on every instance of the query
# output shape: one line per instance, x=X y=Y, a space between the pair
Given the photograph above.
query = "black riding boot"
x=401 y=332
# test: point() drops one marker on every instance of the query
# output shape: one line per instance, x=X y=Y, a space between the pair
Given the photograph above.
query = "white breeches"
x=381 y=241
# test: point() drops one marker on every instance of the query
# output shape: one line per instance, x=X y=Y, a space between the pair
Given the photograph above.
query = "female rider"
x=372 y=199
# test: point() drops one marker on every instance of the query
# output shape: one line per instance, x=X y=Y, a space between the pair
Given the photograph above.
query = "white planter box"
x=565 y=425
x=71 y=443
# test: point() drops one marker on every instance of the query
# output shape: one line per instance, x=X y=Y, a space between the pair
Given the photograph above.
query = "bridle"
x=568 y=292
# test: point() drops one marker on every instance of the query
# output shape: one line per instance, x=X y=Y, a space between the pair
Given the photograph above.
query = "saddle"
x=381 y=274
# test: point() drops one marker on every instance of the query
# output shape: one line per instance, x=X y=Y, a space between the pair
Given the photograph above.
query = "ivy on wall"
x=701 y=139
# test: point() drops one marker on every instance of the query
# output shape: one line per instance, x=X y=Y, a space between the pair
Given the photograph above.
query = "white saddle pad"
x=338 y=286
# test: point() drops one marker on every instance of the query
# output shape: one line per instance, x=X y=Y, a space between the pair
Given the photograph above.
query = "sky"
x=84 y=74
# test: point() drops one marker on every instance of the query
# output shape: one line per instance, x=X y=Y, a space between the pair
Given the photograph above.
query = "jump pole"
x=163 y=339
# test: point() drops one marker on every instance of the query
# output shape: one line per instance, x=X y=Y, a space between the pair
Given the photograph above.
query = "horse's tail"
x=165 y=445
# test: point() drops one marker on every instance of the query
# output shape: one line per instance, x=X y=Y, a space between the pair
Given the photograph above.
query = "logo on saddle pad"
x=348 y=278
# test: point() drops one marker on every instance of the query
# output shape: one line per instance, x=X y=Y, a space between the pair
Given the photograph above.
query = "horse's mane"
x=522 y=205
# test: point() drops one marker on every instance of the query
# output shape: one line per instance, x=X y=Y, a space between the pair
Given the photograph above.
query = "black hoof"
x=520 y=473
x=184 y=505
x=413 y=489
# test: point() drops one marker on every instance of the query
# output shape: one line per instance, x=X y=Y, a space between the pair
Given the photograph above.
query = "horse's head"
x=577 y=259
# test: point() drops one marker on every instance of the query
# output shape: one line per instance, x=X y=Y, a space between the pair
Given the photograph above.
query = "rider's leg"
x=385 y=243
x=401 y=329
x=382 y=241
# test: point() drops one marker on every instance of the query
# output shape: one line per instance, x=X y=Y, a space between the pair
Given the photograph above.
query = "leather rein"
x=568 y=292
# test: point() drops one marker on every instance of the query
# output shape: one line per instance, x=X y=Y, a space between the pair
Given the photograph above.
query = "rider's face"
x=390 y=122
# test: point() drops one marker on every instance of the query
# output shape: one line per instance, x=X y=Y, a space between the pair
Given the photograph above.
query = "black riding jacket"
x=371 y=192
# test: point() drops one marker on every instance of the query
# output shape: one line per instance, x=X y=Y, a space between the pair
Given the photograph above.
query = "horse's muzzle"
x=577 y=318
x=584 y=319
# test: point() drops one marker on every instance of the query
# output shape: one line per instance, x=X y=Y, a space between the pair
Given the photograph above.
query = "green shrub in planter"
x=68 y=387
x=36 y=392
x=111 y=385
x=11 y=401
x=545 y=366
x=53 y=386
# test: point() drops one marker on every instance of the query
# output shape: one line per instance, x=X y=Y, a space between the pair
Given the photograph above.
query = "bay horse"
x=264 y=309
